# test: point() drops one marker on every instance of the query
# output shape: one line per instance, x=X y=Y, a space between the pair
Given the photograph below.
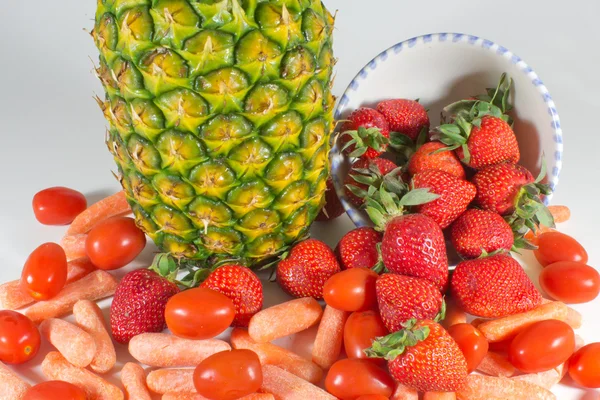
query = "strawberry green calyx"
x=170 y=268
x=394 y=345
x=404 y=147
x=365 y=138
x=442 y=314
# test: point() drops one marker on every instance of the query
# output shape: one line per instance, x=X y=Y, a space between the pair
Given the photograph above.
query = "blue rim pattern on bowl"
x=553 y=175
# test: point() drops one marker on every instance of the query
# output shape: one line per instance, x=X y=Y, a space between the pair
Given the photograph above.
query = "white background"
x=52 y=132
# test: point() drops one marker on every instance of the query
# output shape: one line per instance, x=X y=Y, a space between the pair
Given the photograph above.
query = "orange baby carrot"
x=11 y=386
x=478 y=321
x=545 y=379
x=271 y=354
x=481 y=387
x=574 y=317
x=89 y=317
x=196 y=396
x=171 y=380
x=95 y=286
x=330 y=336
x=13 y=296
x=404 y=393
x=174 y=351
x=286 y=386
x=134 y=381
x=504 y=328
x=284 y=319
x=439 y=396
x=76 y=345
x=560 y=213
x=454 y=314
x=495 y=364
x=108 y=207
x=74 y=246
x=579 y=342
x=55 y=367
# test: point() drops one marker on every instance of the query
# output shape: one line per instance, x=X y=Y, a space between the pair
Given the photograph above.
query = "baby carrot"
x=171 y=380
x=11 y=386
x=271 y=354
x=481 y=387
x=196 y=396
x=579 y=342
x=574 y=317
x=504 y=328
x=439 y=396
x=95 y=286
x=55 y=367
x=495 y=364
x=76 y=345
x=174 y=351
x=89 y=317
x=545 y=379
x=454 y=314
x=478 y=321
x=284 y=319
x=134 y=381
x=404 y=393
x=286 y=386
x=330 y=336
x=74 y=246
x=109 y=207
x=560 y=213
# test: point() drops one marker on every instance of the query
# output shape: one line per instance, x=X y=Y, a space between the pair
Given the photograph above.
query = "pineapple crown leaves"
x=395 y=344
x=365 y=138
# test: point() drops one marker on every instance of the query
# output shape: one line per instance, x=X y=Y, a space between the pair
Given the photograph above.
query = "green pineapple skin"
x=220 y=115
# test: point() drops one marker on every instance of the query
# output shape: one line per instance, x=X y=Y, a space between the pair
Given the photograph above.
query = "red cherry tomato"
x=19 y=338
x=359 y=332
x=199 y=313
x=471 y=342
x=351 y=290
x=45 y=271
x=556 y=246
x=570 y=282
x=542 y=346
x=584 y=366
x=350 y=378
x=228 y=375
x=52 y=390
x=114 y=243
x=58 y=205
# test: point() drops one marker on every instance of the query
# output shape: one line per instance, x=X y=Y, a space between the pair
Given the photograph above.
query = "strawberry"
x=358 y=248
x=366 y=134
x=477 y=231
x=308 y=266
x=333 y=207
x=429 y=156
x=408 y=117
x=401 y=298
x=371 y=171
x=455 y=195
x=423 y=356
x=242 y=286
x=139 y=304
x=493 y=287
x=500 y=186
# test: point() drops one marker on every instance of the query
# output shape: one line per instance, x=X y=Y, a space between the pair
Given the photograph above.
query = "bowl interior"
x=439 y=69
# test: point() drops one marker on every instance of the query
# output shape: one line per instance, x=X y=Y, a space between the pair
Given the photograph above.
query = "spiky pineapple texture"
x=220 y=115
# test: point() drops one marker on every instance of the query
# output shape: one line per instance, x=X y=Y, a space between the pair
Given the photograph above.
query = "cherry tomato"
x=372 y=397
x=228 y=375
x=584 y=366
x=350 y=378
x=58 y=205
x=542 y=346
x=570 y=282
x=114 y=243
x=359 y=332
x=52 y=390
x=351 y=290
x=471 y=342
x=556 y=246
x=199 y=313
x=45 y=271
x=19 y=338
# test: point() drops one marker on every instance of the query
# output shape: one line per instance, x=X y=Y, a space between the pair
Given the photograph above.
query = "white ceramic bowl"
x=444 y=67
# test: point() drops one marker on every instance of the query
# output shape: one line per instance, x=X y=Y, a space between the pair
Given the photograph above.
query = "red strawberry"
x=365 y=134
x=308 y=266
x=423 y=356
x=242 y=286
x=405 y=116
x=426 y=158
x=333 y=207
x=493 y=287
x=358 y=248
x=455 y=195
x=478 y=230
x=401 y=298
x=139 y=304
x=355 y=191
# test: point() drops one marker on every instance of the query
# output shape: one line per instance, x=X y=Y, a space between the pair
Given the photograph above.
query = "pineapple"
x=220 y=116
